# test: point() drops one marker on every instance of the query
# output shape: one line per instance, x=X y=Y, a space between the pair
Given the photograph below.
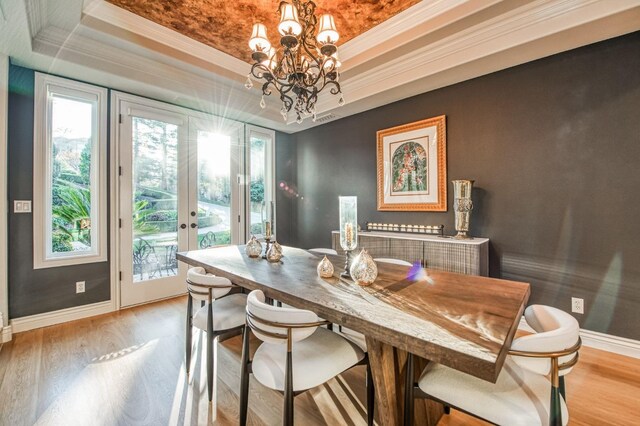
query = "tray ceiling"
x=226 y=25
x=429 y=45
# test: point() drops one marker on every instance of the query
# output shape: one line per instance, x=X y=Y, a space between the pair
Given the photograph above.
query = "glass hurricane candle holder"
x=348 y=228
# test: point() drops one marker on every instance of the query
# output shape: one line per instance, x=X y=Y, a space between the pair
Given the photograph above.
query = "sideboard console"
x=447 y=254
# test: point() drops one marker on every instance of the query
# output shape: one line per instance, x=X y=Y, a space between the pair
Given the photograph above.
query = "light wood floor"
x=126 y=368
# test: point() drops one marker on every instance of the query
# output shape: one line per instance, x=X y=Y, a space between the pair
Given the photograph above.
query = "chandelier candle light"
x=348 y=229
x=303 y=66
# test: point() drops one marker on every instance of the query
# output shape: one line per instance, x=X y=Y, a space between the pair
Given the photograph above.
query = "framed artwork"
x=412 y=166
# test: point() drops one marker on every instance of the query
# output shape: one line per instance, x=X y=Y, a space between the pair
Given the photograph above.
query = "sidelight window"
x=70 y=173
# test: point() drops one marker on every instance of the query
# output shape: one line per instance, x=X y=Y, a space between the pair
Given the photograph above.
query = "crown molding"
x=533 y=21
x=134 y=73
x=101 y=12
x=36 y=15
x=410 y=24
x=139 y=56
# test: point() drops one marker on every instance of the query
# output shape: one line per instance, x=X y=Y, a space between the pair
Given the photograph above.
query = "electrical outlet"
x=577 y=305
x=80 y=287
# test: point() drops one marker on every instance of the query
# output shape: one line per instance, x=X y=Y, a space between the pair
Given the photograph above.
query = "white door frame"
x=5 y=329
x=160 y=287
x=115 y=150
x=269 y=178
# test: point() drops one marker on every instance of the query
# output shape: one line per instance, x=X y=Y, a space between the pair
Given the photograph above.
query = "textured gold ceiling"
x=226 y=24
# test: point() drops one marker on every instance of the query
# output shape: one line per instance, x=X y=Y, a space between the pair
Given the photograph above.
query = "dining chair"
x=522 y=395
x=221 y=313
x=296 y=354
x=394 y=261
x=323 y=251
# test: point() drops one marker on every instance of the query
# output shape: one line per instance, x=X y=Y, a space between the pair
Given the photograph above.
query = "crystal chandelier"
x=304 y=65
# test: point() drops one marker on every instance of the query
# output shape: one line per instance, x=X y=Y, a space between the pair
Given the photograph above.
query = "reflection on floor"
x=128 y=368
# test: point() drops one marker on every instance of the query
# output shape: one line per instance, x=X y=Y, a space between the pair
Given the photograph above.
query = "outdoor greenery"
x=154 y=182
x=257 y=190
x=71 y=194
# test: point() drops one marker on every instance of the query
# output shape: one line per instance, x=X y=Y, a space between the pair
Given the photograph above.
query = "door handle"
x=194 y=225
x=183 y=226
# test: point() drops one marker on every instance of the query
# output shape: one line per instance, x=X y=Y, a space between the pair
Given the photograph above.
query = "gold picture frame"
x=412 y=166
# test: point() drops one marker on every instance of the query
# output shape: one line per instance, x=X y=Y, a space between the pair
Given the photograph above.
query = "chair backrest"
x=555 y=329
x=262 y=316
x=323 y=251
x=394 y=261
x=199 y=282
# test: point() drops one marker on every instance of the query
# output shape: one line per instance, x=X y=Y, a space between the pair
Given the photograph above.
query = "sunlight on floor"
x=90 y=388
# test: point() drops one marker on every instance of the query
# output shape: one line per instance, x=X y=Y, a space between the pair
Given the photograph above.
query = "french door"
x=179 y=190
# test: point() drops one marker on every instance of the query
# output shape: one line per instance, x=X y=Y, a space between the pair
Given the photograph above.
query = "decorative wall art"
x=412 y=166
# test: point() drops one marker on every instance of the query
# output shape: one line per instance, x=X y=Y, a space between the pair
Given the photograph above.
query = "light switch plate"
x=22 y=206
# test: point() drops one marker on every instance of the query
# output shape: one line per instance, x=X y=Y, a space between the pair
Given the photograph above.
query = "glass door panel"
x=153 y=207
x=214 y=189
x=155 y=198
x=260 y=195
x=216 y=145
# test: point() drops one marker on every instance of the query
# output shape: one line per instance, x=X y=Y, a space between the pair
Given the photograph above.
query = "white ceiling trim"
x=185 y=86
x=37 y=15
x=108 y=13
x=534 y=21
x=402 y=27
x=108 y=39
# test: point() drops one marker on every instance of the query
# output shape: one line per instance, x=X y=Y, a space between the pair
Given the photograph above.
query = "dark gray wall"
x=285 y=170
x=42 y=290
x=553 y=146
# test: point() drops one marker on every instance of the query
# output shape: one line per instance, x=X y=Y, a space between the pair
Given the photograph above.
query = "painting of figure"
x=412 y=166
x=409 y=168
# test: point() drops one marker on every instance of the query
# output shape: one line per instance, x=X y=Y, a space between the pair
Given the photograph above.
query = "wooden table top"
x=462 y=321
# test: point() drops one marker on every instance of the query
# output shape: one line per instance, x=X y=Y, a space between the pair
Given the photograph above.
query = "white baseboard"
x=602 y=341
x=5 y=334
x=64 y=315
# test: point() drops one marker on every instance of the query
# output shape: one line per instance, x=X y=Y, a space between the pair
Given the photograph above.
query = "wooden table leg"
x=388 y=365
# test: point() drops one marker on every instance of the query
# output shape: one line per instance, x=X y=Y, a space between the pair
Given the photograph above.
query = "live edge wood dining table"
x=462 y=321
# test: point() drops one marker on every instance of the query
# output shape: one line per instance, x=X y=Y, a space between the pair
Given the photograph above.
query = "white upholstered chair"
x=523 y=394
x=220 y=313
x=393 y=261
x=323 y=251
x=296 y=353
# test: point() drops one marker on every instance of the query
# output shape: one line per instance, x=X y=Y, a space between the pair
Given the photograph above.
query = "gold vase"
x=462 y=206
